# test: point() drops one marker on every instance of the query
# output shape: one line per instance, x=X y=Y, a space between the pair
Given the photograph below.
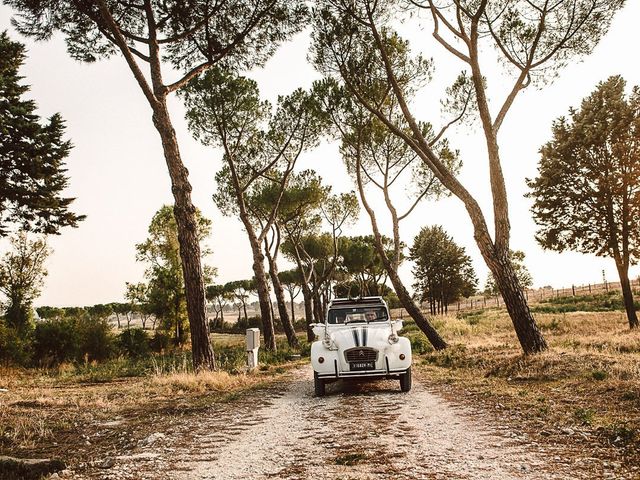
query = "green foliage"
x=15 y=349
x=443 y=271
x=261 y=145
x=585 y=415
x=420 y=345
x=32 y=154
x=55 y=342
x=164 y=296
x=242 y=324
x=599 y=375
x=587 y=194
x=160 y=342
x=242 y=32
x=22 y=275
x=134 y=342
x=78 y=338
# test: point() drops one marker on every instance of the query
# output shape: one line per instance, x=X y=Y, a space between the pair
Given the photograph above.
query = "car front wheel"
x=318 y=385
x=405 y=380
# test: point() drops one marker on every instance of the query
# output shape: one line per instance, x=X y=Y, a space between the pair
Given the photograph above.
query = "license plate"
x=362 y=365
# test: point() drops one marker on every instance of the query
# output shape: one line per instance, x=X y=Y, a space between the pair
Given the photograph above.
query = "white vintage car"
x=359 y=340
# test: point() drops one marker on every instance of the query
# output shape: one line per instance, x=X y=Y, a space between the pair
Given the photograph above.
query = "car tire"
x=318 y=385
x=405 y=380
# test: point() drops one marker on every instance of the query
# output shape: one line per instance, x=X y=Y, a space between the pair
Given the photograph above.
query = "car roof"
x=357 y=302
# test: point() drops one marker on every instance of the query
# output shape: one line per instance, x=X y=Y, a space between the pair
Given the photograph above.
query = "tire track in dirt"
x=358 y=431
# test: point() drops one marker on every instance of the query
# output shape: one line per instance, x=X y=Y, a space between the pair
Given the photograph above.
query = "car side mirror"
x=397 y=325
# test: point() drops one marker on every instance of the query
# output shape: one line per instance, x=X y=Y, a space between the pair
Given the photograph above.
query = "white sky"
x=119 y=177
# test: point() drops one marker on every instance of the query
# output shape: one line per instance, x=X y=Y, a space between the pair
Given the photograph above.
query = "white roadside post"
x=253 y=344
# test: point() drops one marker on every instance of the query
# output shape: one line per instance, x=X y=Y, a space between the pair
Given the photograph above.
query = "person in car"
x=371 y=316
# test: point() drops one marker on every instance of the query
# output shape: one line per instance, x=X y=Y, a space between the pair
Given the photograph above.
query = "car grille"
x=361 y=354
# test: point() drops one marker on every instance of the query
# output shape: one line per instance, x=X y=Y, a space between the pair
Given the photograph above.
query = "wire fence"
x=534 y=296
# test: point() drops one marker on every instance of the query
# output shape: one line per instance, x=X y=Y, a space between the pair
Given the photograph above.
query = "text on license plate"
x=362 y=365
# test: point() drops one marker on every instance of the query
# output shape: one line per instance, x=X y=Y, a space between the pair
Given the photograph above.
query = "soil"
x=366 y=430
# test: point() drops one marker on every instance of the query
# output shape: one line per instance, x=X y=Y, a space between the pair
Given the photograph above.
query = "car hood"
x=360 y=336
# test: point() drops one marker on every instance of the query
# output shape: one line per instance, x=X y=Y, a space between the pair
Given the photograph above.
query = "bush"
x=241 y=325
x=96 y=341
x=71 y=339
x=160 y=342
x=55 y=342
x=14 y=349
x=392 y=300
x=134 y=343
x=420 y=344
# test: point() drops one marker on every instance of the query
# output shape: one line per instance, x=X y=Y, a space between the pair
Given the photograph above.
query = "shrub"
x=134 y=342
x=599 y=375
x=55 y=342
x=13 y=348
x=241 y=325
x=95 y=339
x=71 y=339
x=420 y=345
x=160 y=342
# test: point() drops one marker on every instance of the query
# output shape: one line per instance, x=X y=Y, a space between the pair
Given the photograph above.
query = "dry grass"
x=220 y=382
x=45 y=413
x=588 y=382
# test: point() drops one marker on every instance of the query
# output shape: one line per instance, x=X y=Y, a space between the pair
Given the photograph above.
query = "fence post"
x=497 y=300
x=589 y=288
x=458 y=305
x=573 y=289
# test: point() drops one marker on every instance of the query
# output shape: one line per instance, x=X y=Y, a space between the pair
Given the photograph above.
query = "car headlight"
x=327 y=343
x=393 y=338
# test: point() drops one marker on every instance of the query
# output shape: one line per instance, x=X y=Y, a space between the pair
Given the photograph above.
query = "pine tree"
x=32 y=154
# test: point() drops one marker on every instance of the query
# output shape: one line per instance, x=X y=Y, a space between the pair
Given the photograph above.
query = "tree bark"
x=184 y=211
x=627 y=295
x=529 y=335
x=317 y=307
x=308 y=311
x=263 y=296
x=293 y=308
x=281 y=302
x=412 y=309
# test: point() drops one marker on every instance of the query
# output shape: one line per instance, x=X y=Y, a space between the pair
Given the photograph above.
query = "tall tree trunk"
x=317 y=307
x=280 y=300
x=414 y=311
x=627 y=295
x=293 y=307
x=184 y=211
x=263 y=296
x=529 y=335
x=308 y=311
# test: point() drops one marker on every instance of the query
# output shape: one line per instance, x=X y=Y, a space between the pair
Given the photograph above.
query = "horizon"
x=120 y=179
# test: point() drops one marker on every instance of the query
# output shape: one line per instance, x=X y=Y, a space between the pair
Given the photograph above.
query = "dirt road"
x=358 y=431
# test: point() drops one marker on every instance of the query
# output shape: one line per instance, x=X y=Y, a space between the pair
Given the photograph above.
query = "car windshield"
x=356 y=315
